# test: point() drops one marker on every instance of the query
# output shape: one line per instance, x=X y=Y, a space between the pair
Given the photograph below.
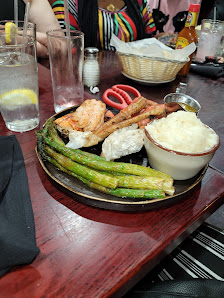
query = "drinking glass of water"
x=18 y=79
x=210 y=37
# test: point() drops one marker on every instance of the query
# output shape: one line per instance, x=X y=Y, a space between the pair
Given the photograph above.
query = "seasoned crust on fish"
x=87 y=117
x=65 y=124
x=90 y=115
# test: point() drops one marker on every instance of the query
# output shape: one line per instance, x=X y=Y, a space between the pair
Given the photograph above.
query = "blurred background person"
x=40 y=13
x=211 y=9
x=129 y=20
x=170 y=15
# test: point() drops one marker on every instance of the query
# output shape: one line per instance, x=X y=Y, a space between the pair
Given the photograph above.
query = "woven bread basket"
x=150 y=69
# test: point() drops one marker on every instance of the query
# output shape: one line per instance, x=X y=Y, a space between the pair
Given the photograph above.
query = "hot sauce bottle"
x=188 y=35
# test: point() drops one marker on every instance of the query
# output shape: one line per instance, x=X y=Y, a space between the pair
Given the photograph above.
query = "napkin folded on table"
x=17 y=230
x=210 y=70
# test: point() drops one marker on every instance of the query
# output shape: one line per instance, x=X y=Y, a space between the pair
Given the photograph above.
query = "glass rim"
x=19 y=21
x=214 y=25
x=212 y=21
x=53 y=33
x=30 y=41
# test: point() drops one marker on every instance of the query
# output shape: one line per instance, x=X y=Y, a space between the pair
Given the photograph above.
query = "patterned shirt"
x=118 y=22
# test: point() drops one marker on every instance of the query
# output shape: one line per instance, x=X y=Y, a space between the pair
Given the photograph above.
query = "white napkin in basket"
x=151 y=47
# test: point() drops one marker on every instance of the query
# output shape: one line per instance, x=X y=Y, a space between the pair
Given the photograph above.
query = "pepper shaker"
x=91 y=70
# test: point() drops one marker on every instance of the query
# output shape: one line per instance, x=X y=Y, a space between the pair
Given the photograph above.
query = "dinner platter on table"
x=146 y=82
x=92 y=197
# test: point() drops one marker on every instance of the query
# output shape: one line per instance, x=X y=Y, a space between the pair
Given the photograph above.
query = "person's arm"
x=42 y=15
x=219 y=4
x=148 y=20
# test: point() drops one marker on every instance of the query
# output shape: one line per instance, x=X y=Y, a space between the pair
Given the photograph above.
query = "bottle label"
x=181 y=43
x=191 y=19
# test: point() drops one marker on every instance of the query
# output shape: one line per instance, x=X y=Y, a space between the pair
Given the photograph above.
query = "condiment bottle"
x=188 y=35
x=91 y=69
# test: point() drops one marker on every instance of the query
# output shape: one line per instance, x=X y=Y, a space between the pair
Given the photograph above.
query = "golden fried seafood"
x=88 y=117
x=66 y=123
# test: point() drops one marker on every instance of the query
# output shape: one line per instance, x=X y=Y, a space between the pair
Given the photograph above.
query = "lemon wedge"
x=18 y=97
x=10 y=31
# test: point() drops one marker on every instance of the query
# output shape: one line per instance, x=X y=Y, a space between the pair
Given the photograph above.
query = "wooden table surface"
x=91 y=252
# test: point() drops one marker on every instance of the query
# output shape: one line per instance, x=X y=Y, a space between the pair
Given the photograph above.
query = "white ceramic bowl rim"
x=213 y=149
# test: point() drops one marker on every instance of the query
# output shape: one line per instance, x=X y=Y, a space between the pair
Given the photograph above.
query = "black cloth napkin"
x=17 y=229
x=212 y=70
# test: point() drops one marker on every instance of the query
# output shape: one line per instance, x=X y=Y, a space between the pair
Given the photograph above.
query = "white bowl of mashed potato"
x=180 y=144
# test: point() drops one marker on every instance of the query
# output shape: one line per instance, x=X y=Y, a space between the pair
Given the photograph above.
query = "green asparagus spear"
x=40 y=143
x=143 y=182
x=86 y=158
x=137 y=193
x=47 y=125
x=54 y=135
x=82 y=170
x=105 y=165
x=42 y=133
x=118 y=192
x=168 y=182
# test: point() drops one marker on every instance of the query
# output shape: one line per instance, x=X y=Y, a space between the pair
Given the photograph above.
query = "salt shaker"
x=91 y=70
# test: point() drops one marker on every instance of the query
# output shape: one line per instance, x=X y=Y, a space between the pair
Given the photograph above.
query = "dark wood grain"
x=91 y=252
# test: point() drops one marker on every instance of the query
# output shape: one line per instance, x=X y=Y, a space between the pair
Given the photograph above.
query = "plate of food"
x=92 y=168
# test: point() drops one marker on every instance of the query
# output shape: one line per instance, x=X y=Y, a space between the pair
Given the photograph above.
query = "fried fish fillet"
x=66 y=123
x=87 y=117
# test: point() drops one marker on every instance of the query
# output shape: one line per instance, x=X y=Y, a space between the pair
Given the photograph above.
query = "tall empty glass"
x=18 y=81
x=66 y=54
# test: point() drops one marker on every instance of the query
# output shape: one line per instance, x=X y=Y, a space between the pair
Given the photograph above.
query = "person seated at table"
x=170 y=15
x=129 y=20
x=40 y=13
x=216 y=10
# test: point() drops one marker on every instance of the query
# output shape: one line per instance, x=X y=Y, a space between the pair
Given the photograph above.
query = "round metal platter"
x=92 y=197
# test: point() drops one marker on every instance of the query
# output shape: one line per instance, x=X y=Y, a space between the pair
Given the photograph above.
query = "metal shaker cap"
x=91 y=52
